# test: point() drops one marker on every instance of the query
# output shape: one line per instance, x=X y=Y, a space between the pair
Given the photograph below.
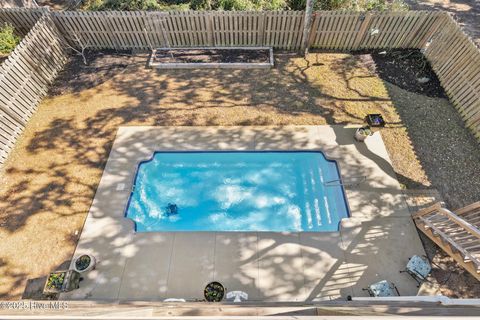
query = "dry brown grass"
x=50 y=179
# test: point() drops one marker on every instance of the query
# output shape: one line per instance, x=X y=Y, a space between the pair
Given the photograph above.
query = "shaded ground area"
x=466 y=12
x=101 y=67
x=49 y=181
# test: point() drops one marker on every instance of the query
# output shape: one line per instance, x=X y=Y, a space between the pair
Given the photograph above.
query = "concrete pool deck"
x=372 y=245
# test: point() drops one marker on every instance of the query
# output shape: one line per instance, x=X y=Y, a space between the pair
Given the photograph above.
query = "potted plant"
x=62 y=281
x=214 y=292
x=375 y=121
x=84 y=263
x=362 y=133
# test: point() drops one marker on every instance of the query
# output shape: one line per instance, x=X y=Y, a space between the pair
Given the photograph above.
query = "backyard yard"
x=50 y=178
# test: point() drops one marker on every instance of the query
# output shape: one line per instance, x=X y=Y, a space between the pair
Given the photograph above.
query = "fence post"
x=307 y=25
x=210 y=29
x=261 y=29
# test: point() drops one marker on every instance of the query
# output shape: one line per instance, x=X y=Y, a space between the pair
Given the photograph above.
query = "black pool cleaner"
x=171 y=209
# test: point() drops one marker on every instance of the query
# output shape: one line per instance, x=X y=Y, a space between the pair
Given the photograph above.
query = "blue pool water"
x=237 y=191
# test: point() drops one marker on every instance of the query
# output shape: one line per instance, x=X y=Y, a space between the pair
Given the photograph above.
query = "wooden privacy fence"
x=144 y=30
x=278 y=29
x=27 y=73
x=25 y=78
x=338 y=30
x=456 y=61
x=23 y=19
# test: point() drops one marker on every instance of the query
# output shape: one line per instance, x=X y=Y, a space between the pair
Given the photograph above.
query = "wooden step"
x=457 y=235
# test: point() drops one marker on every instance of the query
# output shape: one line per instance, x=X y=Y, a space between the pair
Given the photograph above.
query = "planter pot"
x=84 y=263
x=375 y=121
x=62 y=281
x=214 y=292
x=362 y=133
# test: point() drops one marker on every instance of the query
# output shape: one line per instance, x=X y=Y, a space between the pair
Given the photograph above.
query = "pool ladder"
x=341 y=182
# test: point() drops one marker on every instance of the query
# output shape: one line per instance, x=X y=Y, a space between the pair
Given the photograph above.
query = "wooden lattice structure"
x=457 y=233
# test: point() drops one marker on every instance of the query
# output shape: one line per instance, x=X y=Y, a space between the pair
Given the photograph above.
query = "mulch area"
x=409 y=70
x=212 y=56
x=49 y=180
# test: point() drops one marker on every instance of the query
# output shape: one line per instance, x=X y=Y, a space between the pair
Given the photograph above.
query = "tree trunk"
x=307 y=26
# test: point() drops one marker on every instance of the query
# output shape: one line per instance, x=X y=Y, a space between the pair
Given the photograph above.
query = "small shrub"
x=123 y=5
x=201 y=5
x=8 y=39
x=382 y=5
x=167 y=6
x=333 y=4
x=238 y=5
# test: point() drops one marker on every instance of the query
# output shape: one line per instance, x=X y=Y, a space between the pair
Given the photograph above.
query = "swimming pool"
x=237 y=191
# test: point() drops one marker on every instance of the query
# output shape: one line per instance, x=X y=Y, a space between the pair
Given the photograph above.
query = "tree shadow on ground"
x=52 y=175
x=280 y=258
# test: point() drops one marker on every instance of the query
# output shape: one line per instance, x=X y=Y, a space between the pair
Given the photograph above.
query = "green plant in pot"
x=55 y=281
x=84 y=263
x=362 y=133
x=214 y=292
x=62 y=281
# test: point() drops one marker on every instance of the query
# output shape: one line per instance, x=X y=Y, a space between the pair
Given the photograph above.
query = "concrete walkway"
x=466 y=12
x=372 y=245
